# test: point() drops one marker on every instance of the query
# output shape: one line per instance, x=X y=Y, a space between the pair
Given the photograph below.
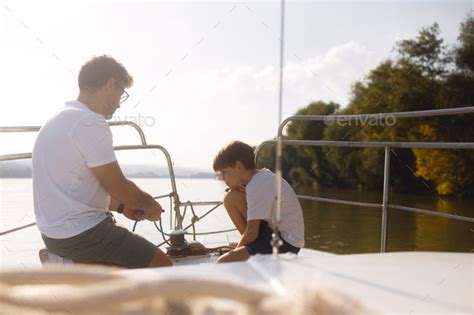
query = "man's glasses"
x=124 y=96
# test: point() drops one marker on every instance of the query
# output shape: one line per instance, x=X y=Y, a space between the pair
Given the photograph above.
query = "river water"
x=328 y=227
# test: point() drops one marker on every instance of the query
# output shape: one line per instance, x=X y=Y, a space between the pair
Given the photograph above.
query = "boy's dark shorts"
x=105 y=243
x=262 y=245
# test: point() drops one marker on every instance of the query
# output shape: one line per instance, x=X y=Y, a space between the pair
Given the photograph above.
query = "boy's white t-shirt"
x=261 y=205
x=68 y=198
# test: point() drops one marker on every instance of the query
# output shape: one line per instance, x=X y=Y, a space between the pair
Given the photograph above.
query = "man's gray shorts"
x=105 y=243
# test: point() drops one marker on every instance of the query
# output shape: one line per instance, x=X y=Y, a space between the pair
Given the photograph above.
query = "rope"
x=213 y=232
x=194 y=219
x=220 y=249
x=113 y=291
x=162 y=233
x=34 y=223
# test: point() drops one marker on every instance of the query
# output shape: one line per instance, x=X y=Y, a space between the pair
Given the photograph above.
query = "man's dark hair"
x=96 y=72
x=233 y=152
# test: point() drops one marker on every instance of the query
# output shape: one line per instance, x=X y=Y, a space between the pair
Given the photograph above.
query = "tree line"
x=424 y=74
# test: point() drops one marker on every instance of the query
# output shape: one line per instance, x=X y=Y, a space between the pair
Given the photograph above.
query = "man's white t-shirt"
x=68 y=198
x=261 y=205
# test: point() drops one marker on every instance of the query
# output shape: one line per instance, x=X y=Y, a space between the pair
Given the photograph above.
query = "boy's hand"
x=239 y=188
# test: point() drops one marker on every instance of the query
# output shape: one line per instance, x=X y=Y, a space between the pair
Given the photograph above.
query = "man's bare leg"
x=236 y=206
x=160 y=260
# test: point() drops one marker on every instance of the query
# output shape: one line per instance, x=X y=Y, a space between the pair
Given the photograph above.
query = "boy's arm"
x=250 y=233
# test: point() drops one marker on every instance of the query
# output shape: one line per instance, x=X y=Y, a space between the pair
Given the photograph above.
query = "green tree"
x=452 y=172
x=313 y=161
x=424 y=75
x=464 y=53
x=425 y=52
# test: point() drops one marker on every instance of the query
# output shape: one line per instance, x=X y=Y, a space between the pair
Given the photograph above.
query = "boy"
x=251 y=204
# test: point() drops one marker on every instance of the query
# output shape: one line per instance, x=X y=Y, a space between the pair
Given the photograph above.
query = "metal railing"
x=176 y=204
x=20 y=129
x=377 y=144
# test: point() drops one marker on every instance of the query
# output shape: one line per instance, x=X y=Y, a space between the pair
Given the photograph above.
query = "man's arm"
x=250 y=233
x=113 y=204
x=124 y=191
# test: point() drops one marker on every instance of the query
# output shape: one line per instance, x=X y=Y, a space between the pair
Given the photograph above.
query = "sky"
x=205 y=72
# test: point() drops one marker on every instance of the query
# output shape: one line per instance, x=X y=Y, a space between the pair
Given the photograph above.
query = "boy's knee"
x=234 y=197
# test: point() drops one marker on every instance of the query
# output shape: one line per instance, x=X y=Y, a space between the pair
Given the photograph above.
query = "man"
x=77 y=180
x=250 y=204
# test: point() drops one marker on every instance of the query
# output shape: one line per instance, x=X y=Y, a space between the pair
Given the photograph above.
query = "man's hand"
x=153 y=211
x=125 y=191
x=134 y=214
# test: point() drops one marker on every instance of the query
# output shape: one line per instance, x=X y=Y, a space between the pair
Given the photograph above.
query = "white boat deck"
x=395 y=283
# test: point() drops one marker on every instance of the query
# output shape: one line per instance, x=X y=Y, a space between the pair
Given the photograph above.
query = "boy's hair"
x=96 y=72
x=232 y=152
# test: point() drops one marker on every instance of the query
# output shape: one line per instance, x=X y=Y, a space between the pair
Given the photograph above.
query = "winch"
x=179 y=247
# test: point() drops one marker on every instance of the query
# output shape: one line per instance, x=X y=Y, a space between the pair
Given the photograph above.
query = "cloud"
x=198 y=111
x=228 y=103
x=328 y=76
